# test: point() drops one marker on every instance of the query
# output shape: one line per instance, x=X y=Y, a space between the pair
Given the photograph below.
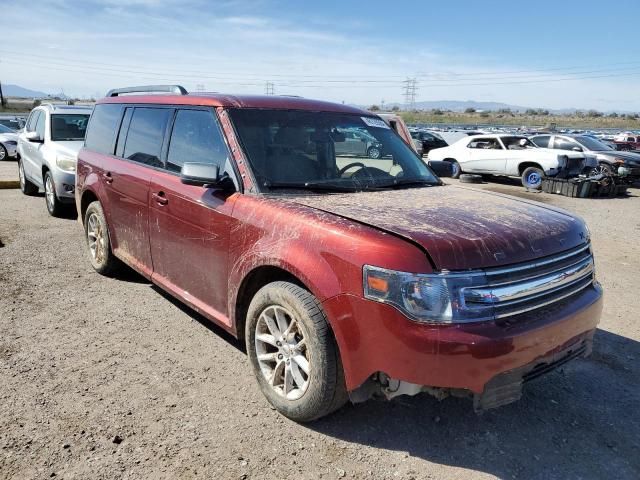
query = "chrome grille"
x=533 y=285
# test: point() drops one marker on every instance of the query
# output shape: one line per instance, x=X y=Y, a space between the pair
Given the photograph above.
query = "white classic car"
x=510 y=155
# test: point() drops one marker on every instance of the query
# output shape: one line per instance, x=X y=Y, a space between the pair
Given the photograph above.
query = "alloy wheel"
x=95 y=237
x=50 y=193
x=281 y=352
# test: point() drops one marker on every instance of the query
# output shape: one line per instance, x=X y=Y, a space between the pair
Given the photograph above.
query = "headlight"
x=431 y=298
x=66 y=163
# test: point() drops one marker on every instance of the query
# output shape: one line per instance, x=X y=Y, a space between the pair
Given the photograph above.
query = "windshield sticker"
x=374 y=122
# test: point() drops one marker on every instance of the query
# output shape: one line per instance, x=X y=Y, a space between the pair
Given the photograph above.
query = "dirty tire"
x=26 y=186
x=456 y=168
x=532 y=178
x=103 y=261
x=54 y=206
x=325 y=391
x=468 y=178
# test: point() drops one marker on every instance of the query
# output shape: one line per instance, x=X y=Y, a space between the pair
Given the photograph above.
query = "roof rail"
x=177 y=89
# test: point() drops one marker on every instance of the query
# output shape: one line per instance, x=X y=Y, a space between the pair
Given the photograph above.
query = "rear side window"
x=564 y=144
x=145 y=136
x=103 y=127
x=196 y=137
x=542 y=141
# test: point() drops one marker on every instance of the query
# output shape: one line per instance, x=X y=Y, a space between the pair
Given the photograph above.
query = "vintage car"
x=510 y=155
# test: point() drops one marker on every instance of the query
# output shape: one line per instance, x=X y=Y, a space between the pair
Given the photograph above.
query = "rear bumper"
x=374 y=337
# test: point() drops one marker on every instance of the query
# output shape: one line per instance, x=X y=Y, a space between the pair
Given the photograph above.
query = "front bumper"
x=375 y=337
x=65 y=183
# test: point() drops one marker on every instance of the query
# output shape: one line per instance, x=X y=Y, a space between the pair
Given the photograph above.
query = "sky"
x=560 y=54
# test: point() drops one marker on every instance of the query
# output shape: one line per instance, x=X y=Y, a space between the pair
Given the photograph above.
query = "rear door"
x=190 y=225
x=126 y=179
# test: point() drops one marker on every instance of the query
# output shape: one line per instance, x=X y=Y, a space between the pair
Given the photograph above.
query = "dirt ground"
x=109 y=378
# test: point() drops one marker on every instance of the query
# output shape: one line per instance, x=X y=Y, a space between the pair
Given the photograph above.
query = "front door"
x=486 y=155
x=189 y=225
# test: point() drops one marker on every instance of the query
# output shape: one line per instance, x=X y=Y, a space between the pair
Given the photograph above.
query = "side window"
x=564 y=143
x=40 y=124
x=542 y=141
x=33 y=119
x=485 y=144
x=196 y=137
x=103 y=127
x=146 y=134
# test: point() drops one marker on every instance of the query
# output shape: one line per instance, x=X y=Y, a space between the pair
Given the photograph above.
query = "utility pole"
x=410 y=88
x=269 y=88
x=3 y=102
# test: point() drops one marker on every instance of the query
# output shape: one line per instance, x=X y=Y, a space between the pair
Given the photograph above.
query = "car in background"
x=8 y=143
x=609 y=160
x=627 y=142
x=397 y=124
x=510 y=155
x=48 y=148
x=428 y=140
x=345 y=278
x=359 y=143
x=12 y=122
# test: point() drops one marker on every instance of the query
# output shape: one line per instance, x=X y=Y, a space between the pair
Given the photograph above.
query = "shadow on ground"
x=581 y=421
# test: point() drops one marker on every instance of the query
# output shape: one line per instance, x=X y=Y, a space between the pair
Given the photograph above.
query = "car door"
x=29 y=150
x=485 y=155
x=127 y=178
x=190 y=225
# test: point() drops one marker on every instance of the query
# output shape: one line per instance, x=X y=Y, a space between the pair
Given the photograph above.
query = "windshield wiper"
x=410 y=182
x=318 y=186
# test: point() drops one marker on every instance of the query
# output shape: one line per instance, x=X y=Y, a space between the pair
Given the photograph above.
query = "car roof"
x=494 y=135
x=71 y=109
x=277 y=102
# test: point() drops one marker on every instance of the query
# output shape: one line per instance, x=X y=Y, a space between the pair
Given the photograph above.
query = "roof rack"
x=177 y=89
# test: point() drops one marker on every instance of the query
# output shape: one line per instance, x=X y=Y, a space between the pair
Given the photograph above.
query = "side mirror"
x=204 y=175
x=441 y=168
x=576 y=149
x=34 y=137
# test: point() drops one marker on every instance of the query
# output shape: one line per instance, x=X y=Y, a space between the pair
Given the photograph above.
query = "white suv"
x=48 y=147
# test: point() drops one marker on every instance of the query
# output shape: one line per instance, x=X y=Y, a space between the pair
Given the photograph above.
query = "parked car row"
x=346 y=278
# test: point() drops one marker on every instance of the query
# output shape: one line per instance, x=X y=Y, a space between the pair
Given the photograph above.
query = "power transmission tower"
x=269 y=88
x=200 y=87
x=410 y=89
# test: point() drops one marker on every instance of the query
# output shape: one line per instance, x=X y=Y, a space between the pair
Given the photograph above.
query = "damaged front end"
x=501 y=390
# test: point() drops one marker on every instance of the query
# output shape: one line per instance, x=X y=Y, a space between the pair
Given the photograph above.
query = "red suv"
x=347 y=276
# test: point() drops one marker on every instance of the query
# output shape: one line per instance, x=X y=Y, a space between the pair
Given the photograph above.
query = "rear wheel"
x=293 y=353
x=532 y=178
x=374 y=152
x=26 y=186
x=97 y=235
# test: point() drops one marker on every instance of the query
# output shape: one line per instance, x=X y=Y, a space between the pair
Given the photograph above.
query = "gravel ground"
x=9 y=170
x=109 y=378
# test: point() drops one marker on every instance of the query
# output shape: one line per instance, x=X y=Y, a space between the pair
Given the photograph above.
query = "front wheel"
x=456 y=169
x=293 y=353
x=54 y=205
x=3 y=153
x=532 y=178
x=602 y=169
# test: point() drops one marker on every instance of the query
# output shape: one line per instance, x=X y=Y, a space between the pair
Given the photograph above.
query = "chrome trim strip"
x=511 y=313
x=523 y=290
x=536 y=264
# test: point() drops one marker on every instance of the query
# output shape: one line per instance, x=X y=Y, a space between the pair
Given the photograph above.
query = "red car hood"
x=461 y=228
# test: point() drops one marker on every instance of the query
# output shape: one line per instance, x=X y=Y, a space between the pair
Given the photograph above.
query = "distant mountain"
x=9 y=90
x=461 y=106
